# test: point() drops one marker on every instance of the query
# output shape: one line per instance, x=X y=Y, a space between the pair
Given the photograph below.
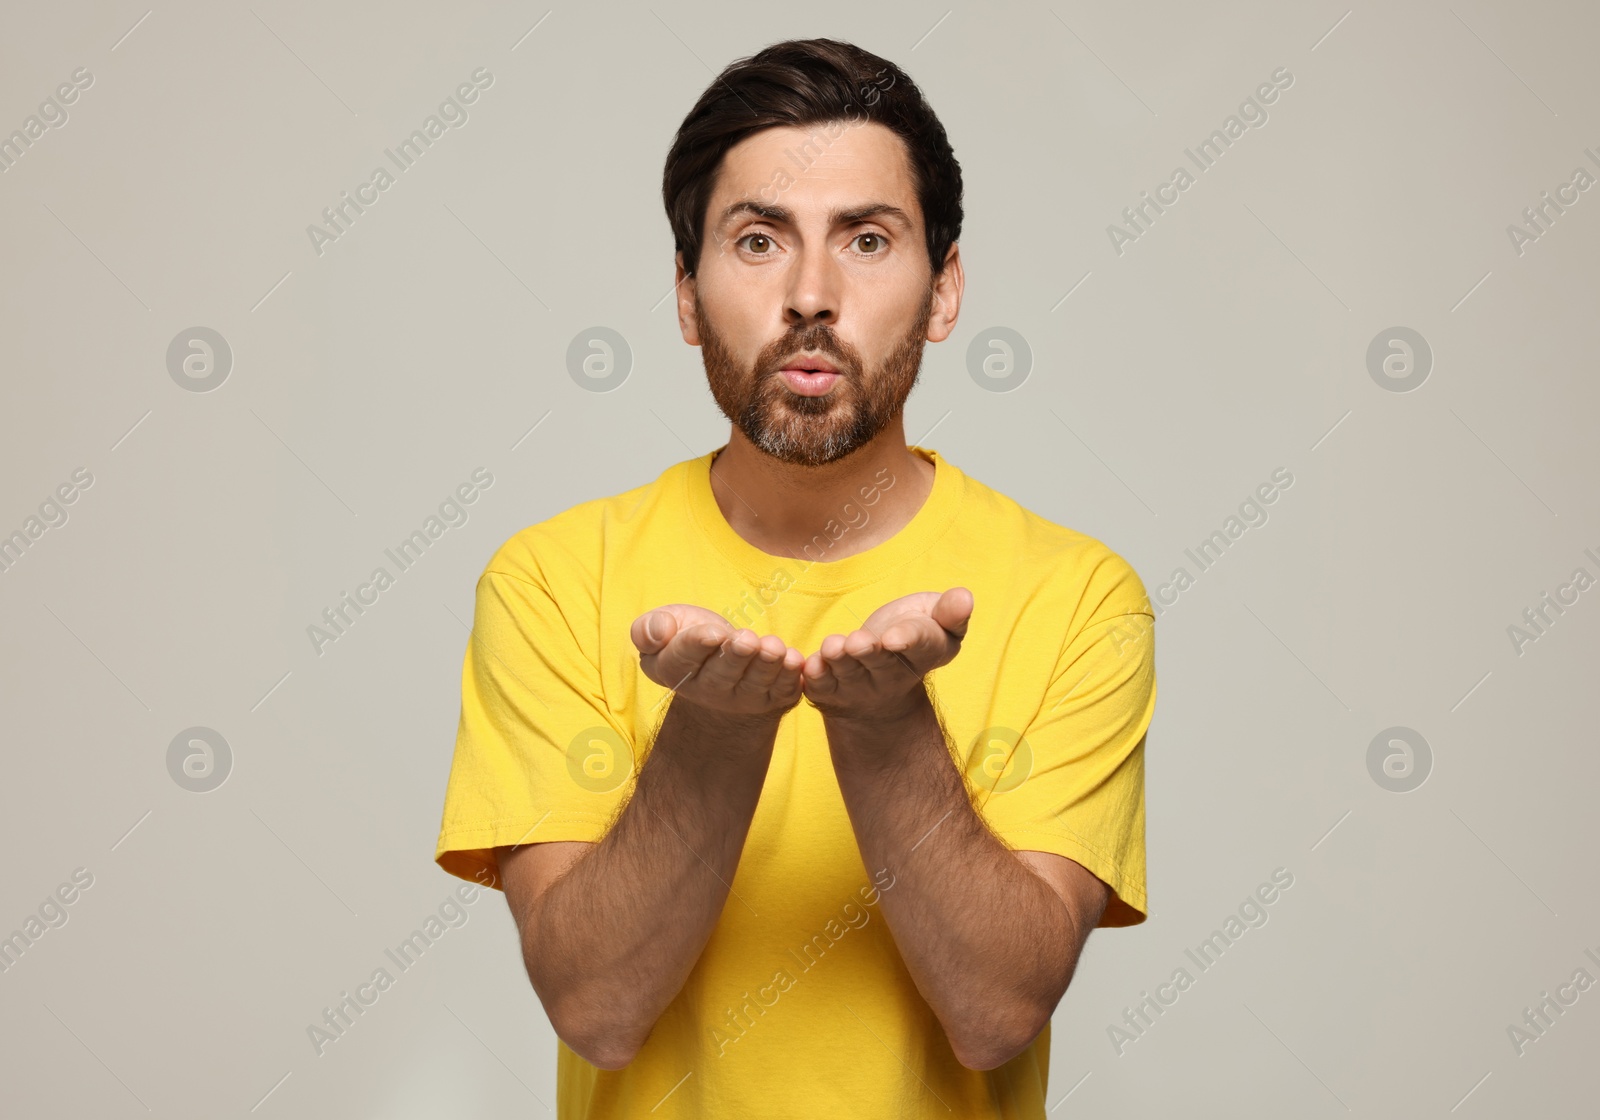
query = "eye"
x=873 y=243
x=754 y=238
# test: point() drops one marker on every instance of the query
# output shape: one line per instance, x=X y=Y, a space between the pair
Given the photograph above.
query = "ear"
x=946 y=297
x=683 y=285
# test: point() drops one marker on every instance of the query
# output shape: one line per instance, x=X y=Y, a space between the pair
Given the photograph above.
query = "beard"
x=812 y=431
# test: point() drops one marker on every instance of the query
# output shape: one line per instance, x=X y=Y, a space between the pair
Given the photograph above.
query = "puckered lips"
x=808 y=376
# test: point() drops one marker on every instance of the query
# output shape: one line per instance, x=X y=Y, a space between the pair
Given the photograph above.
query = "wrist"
x=720 y=719
x=716 y=738
x=884 y=714
x=882 y=739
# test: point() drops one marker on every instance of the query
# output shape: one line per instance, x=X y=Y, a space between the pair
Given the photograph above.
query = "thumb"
x=657 y=628
x=953 y=610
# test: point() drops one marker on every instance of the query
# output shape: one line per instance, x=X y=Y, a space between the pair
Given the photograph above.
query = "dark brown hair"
x=805 y=82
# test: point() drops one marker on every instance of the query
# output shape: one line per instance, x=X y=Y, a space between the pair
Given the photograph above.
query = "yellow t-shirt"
x=800 y=1006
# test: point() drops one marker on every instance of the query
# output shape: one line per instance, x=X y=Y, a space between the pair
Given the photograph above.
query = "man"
x=807 y=768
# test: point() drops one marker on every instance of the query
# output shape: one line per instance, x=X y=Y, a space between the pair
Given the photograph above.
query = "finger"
x=954 y=610
x=909 y=641
x=689 y=651
x=723 y=668
x=860 y=642
x=921 y=643
x=918 y=643
x=791 y=680
x=856 y=653
x=909 y=632
x=867 y=669
x=820 y=688
x=818 y=673
x=768 y=663
x=832 y=646
x=652 y=630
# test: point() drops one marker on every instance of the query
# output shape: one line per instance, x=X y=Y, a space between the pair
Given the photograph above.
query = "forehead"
x=820 y=165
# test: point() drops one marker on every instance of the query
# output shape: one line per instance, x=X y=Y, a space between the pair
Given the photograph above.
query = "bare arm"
x=990 y=936
x=610 y=931
x=609 y=942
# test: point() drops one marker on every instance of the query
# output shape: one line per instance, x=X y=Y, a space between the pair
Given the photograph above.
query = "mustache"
x=817 y=338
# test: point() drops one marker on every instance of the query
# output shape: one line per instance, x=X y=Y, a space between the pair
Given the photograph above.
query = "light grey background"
x=371 y=380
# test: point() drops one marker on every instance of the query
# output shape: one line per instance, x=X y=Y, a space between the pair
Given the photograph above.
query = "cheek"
x=899 y=322
x=740 y=306
x=730 y=331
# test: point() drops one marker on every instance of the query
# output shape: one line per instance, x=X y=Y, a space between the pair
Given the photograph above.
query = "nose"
x=814 y=290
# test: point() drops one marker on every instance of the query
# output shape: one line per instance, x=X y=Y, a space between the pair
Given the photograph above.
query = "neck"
x=788 y=509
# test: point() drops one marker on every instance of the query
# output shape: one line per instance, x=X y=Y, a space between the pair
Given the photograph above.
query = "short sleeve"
x=538 y=754
x=1074 y=782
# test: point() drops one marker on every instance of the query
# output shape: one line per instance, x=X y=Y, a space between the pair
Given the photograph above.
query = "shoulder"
x=1077 y=572
x=573 y=543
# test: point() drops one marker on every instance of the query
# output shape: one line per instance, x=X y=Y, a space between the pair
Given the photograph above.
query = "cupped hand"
x=873 y=672
x=702 y=658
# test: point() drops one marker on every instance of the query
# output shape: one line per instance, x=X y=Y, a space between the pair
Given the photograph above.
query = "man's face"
x=814 y=258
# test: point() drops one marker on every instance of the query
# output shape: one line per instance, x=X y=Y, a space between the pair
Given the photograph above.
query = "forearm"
x=980 y=933
x=612 y=941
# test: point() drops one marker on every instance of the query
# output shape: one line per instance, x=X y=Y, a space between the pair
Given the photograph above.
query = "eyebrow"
x=838 y=216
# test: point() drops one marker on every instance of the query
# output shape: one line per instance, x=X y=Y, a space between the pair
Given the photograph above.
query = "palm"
x=874 y=668
x=697 y=654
